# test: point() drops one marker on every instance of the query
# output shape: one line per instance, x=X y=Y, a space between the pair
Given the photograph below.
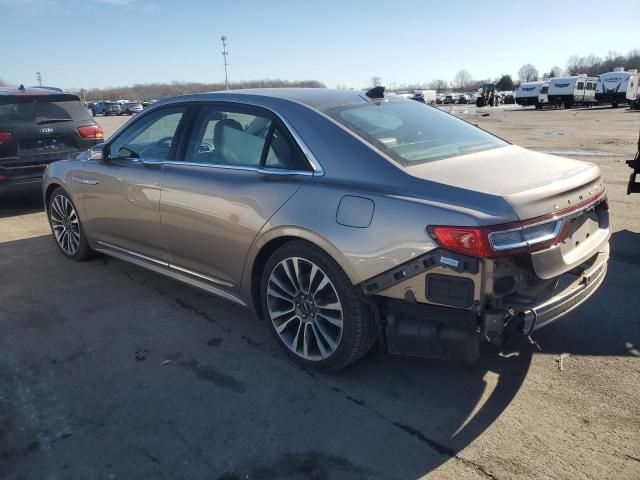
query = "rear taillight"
x=91 y=131
x=508 y=239
x=5 y=137
x=470 y=241
x=499 y=240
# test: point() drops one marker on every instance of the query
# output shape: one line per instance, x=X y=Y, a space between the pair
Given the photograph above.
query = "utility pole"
x=224 y=57
x=39 y=78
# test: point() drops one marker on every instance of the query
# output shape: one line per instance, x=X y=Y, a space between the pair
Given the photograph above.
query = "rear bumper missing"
x=561 y=301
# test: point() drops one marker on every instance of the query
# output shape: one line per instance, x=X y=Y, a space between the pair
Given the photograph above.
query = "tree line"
x=592 y=65
x=152 y=91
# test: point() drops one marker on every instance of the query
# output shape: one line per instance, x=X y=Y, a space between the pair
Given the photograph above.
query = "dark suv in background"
x=106 y=108
x=37 y=127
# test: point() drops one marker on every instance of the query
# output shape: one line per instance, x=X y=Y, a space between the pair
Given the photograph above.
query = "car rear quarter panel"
x=396 y=234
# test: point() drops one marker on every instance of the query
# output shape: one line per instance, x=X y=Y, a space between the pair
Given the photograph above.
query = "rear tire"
x=66 y=227
x=312 y=308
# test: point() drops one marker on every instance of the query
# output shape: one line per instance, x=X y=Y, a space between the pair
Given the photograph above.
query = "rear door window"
x=225 y=137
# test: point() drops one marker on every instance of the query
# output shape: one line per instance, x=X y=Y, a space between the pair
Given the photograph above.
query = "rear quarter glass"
x=412 y=133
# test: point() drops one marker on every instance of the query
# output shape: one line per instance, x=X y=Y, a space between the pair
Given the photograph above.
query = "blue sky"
x=98 y=43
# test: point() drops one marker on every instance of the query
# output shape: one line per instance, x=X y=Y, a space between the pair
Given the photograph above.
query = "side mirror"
x=97 y=152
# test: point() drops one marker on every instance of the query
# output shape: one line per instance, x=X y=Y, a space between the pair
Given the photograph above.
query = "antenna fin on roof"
x=376 y=92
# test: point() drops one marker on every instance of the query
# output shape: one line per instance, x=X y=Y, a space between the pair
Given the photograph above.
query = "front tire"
x=312 y=308
x=66 y=227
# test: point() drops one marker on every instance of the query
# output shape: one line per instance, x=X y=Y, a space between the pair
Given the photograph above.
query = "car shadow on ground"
x=12 y=205
x=108 y=369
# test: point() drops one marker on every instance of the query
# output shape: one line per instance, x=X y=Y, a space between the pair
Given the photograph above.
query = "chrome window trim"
x=264 y=170
x=316 y=168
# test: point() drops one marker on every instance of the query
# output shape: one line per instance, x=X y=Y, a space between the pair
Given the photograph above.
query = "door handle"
x=152 y=163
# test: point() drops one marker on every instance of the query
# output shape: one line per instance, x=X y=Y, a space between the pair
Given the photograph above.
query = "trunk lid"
x=533 y=183
x=536 y=185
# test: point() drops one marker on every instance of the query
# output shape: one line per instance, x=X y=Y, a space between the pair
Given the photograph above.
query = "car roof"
x=317 y=98
x=32 y=91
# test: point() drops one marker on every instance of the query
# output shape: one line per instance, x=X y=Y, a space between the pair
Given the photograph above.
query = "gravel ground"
x=108 y=371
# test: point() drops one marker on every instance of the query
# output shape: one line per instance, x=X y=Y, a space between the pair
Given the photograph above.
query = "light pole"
x=224 y=57
x=39 y=78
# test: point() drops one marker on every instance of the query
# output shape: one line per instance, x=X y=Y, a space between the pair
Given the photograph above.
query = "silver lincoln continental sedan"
x=343 y=218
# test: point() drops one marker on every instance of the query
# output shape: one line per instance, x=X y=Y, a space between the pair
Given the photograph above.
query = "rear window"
x=412 y=133
x=42 y=110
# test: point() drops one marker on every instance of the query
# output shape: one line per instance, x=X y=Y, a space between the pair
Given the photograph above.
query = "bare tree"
x=528 y=73
x=439 y=85
x=3 y=83
x=462 y=79
x=376 y=81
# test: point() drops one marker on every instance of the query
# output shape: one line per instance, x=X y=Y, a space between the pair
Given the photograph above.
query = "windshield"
x=41 y=110
x=413 y=133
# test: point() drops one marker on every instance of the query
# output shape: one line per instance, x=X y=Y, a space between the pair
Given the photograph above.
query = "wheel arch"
x=269 y=242
x=48 y=192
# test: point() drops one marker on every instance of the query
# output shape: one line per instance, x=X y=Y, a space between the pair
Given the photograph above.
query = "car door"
x=239 y=166
x=122 y=191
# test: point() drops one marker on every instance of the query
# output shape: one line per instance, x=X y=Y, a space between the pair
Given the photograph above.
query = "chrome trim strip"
x=173 y=274
x=525 y=242
x=85 y=181
x=558 y=219
x=166 y=264
x=199 y=275
x=134 y=254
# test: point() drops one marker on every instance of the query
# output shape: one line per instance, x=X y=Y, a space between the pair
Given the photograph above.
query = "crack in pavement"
x=417 y=434
x=193 y=309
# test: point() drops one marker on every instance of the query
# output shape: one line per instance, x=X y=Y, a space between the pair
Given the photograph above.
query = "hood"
x=533 y=183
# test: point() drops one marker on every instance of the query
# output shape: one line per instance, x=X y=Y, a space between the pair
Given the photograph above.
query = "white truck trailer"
x=528 y=94
x=612 y=86
x=569 y=91
x=633 y=92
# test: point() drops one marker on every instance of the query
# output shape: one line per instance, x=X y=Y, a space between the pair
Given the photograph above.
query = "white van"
x=528 y=94
x=569 y=91
x=612 y=86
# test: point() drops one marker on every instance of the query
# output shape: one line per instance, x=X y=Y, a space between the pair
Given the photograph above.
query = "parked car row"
x=121 y=107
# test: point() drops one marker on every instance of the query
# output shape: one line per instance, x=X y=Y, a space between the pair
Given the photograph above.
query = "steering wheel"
x=163 y=142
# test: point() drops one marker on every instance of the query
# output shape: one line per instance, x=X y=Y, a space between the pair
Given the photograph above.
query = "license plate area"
x=580 y=230
x=45 y=144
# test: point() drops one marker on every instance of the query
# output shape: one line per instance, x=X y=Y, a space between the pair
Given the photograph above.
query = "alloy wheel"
x=65 y=224
x=305 y=308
